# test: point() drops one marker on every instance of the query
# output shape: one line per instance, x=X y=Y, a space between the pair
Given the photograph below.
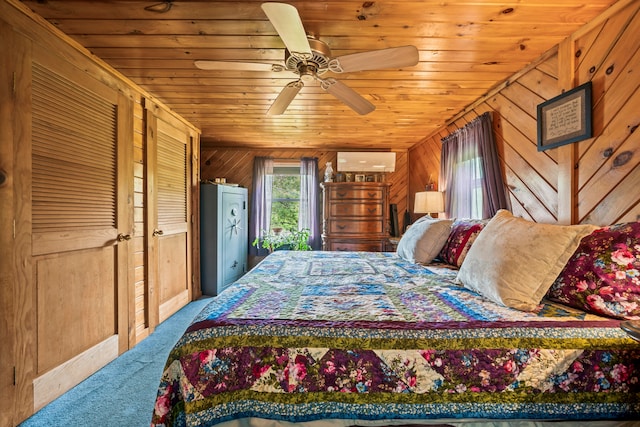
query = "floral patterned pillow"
x=463 y=234
x=603 y=275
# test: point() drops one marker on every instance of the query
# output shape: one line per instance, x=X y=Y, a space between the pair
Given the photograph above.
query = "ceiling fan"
x=308 y=58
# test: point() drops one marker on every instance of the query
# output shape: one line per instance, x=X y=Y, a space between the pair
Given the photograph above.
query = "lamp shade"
x=428 y=202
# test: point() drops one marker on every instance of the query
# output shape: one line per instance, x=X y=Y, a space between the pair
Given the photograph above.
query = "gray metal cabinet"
x=223 y=236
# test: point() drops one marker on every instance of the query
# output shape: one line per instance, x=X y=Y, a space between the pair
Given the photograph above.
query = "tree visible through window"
x=285 y=197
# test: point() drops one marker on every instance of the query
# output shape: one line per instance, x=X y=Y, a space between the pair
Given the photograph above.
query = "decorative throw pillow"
x=423 y=240
x=426 y=217
x=463 y=234
x=603 y=275
x=514 y=262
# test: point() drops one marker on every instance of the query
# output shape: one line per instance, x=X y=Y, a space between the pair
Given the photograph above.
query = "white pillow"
x=423 y=241
x=514 y=262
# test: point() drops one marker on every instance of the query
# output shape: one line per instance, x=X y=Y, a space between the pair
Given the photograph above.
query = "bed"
x=365 y=338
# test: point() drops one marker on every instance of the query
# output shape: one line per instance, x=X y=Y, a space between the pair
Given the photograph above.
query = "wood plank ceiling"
x=465 y=48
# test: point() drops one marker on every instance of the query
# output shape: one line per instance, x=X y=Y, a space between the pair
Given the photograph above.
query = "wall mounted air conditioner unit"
x=360 y=161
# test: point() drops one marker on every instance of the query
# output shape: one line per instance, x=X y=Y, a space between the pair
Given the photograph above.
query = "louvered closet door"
x=80 y=180
x=171 y=237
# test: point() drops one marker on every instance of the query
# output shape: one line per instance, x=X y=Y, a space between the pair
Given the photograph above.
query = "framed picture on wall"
x=565 y=118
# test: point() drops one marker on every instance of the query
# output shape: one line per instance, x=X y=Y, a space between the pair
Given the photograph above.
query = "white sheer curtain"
x=260 y=201
x=309 y=212
x=470 y=174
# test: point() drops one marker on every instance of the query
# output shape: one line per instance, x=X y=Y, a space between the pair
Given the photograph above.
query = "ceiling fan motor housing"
x=318 y=63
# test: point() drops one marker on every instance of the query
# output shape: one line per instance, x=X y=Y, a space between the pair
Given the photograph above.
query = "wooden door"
x=82 y=218
x=169 y=187
x=14 y=247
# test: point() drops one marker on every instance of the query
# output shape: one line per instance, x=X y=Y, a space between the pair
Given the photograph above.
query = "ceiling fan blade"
x=238 y=66
x=287 y=22
x=347 y=95
x=394 y=57
x=284 y=98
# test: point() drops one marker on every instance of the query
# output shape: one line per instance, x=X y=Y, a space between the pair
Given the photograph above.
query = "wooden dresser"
x=355 y=216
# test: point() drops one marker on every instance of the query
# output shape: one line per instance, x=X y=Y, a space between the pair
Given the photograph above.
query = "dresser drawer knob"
x=372 y=210
x=342 y=194
x=341 y=227
x=372 y=194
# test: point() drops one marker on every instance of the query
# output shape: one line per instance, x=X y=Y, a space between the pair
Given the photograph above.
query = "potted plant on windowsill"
x=284 y=240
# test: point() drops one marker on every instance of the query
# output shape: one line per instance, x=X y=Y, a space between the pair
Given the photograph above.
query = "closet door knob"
x=157 y=233
x=122 y=237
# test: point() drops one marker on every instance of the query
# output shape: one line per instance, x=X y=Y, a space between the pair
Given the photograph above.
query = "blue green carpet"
x=123 y=393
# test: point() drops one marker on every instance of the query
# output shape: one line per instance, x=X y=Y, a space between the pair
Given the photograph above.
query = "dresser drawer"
x=355 y=216
x=362 y=194
x=356 y=209
x=356 y=246
x=363 y=227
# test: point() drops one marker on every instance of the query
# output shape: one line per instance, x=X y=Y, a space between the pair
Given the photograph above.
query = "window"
x=470 y=173
x=285 y=196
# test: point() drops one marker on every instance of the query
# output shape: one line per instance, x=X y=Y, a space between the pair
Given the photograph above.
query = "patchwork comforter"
x=365 y=337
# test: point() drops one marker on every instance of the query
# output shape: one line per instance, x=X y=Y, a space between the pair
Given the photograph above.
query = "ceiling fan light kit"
x=319 y=57
x=309 y=58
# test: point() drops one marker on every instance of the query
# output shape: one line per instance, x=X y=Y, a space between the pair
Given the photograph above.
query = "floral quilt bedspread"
x=368 y=336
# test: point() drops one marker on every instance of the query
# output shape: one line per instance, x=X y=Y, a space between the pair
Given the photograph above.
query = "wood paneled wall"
x=592 y=181
x=237 y=167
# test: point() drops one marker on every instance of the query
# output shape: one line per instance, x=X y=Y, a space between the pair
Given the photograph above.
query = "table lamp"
x=428 y=202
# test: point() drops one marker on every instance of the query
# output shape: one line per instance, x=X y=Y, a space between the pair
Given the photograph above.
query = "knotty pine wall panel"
x=607 y=171
x=236 y=166
x=140 y=284
x=399 y=183
x=424 y=167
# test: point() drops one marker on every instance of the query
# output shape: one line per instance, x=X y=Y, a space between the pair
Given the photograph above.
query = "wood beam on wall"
x=567 y=154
